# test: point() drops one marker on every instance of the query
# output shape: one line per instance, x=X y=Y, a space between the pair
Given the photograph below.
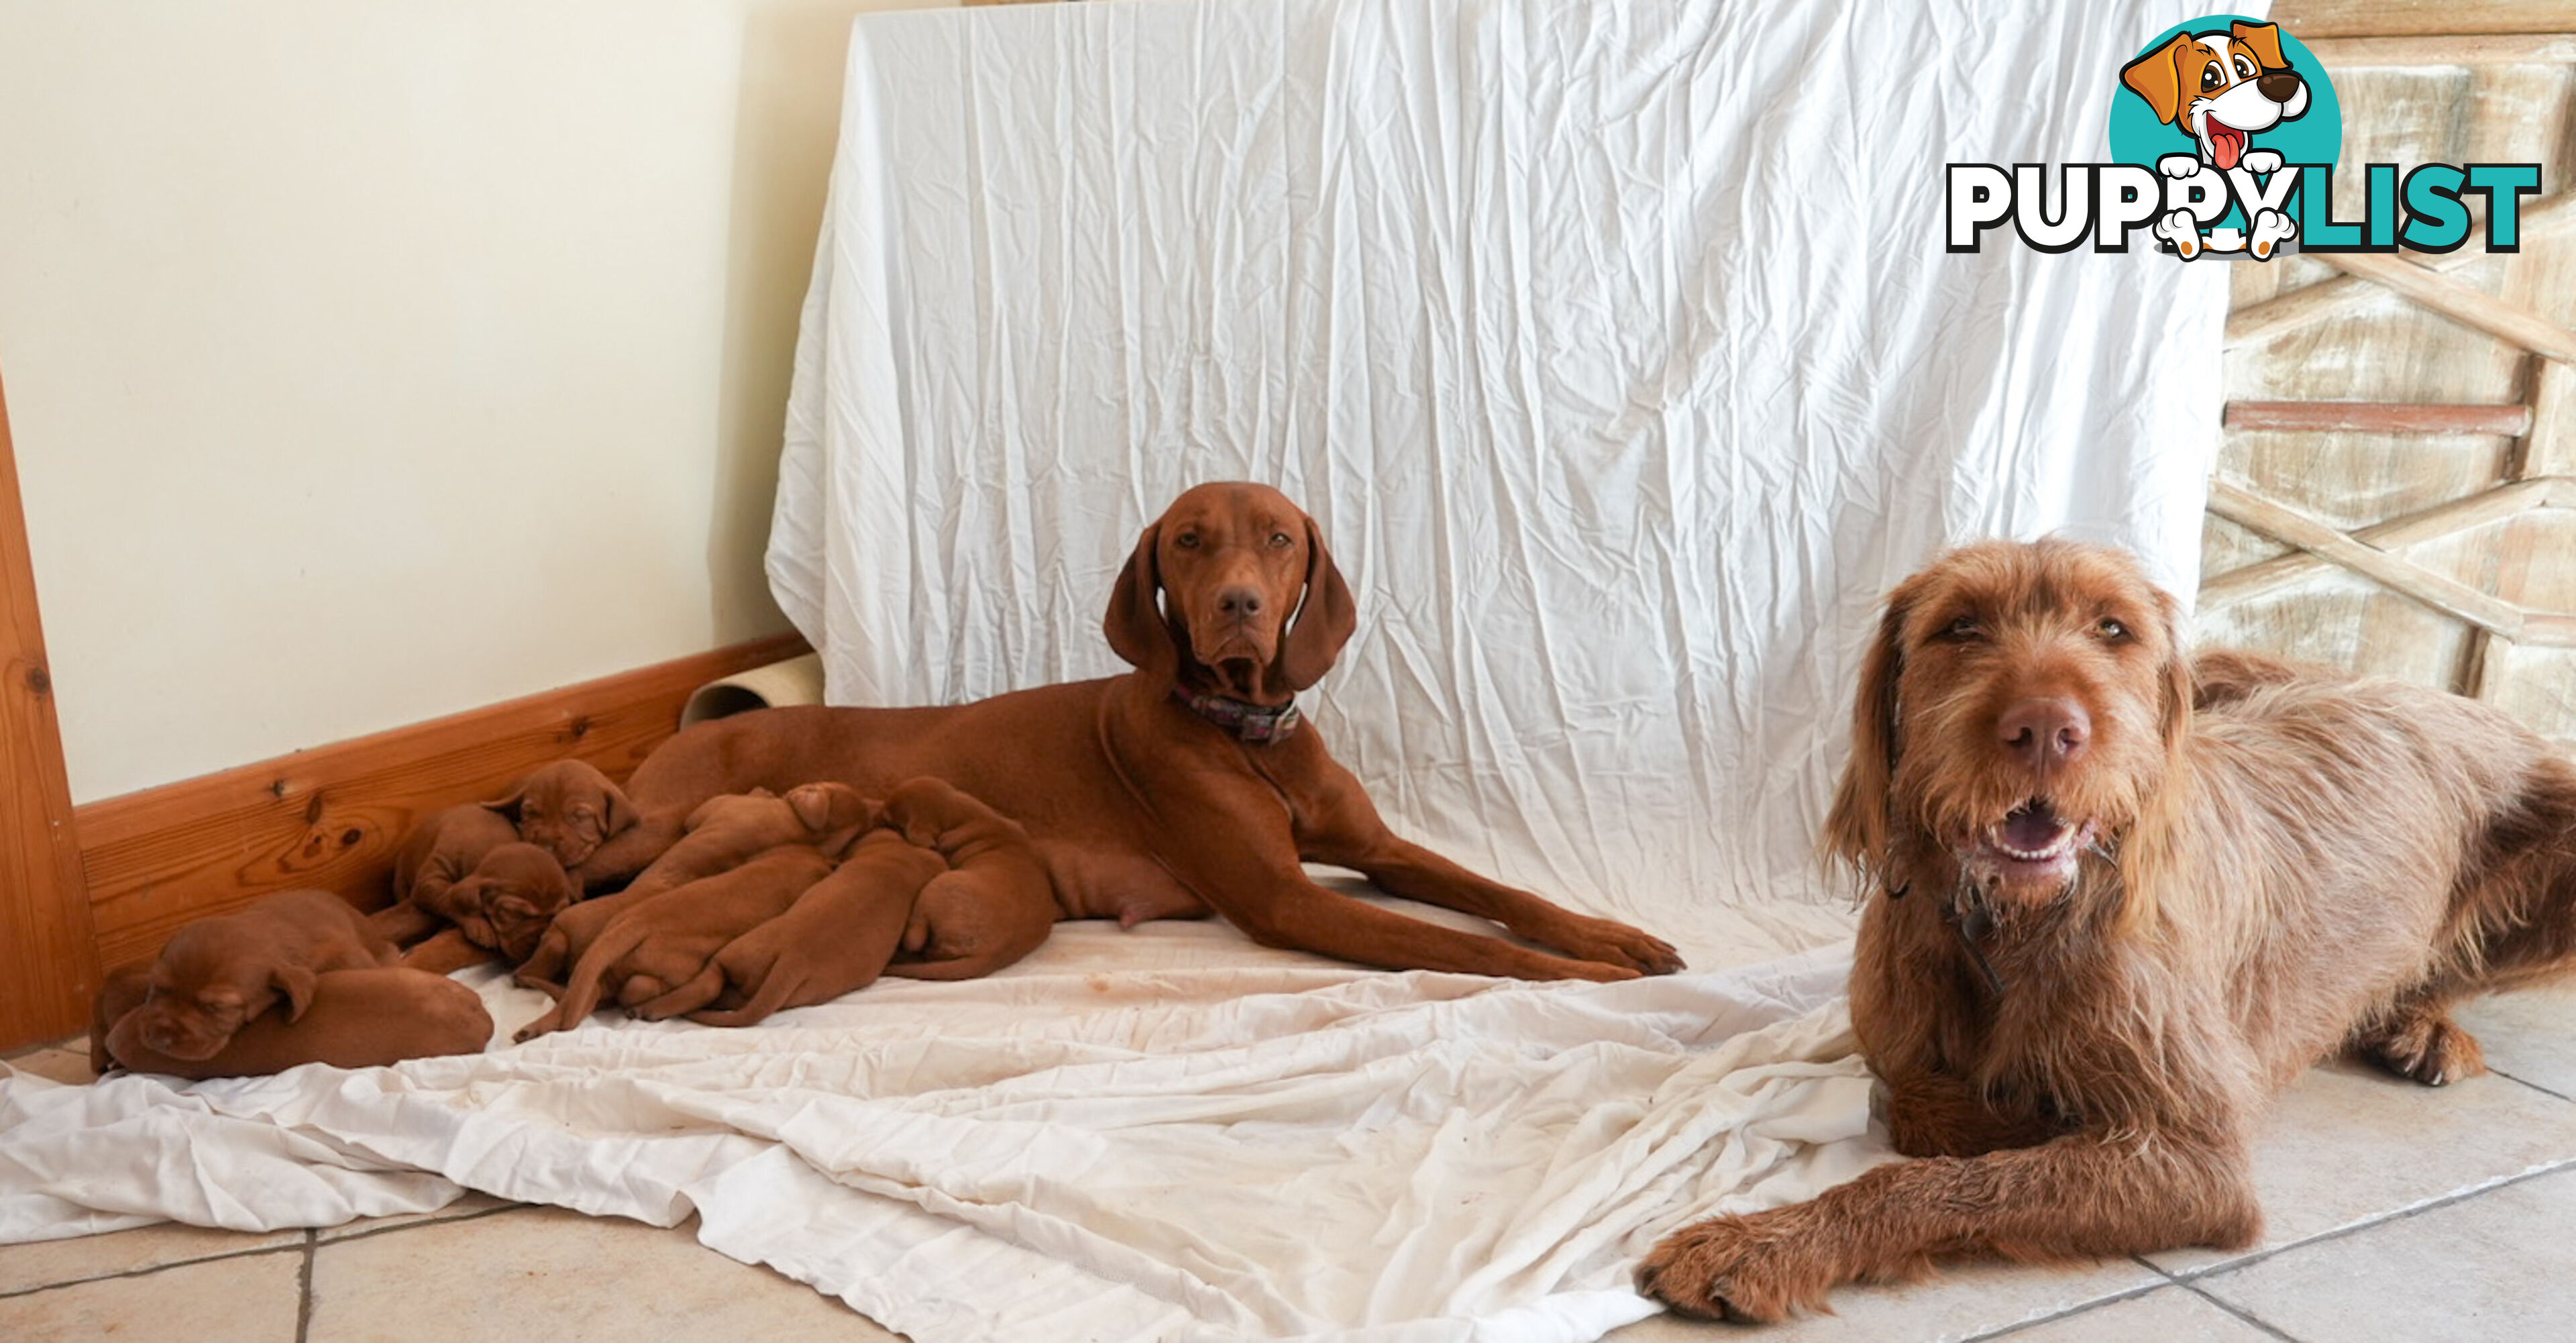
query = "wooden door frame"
x=48 y=948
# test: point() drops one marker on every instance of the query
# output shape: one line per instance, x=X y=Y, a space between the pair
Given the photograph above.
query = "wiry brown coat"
x=2183 y=892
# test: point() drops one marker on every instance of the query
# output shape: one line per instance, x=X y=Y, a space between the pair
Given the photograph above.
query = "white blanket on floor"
x=1154 y=1134
x=1613 y=345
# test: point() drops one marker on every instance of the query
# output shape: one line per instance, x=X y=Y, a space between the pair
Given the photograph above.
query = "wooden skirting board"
x=333 y=816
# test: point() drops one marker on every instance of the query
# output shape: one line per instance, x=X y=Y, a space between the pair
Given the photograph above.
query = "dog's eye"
x=2244 y=68
x=1961 y=630
x=2210 y=78
x=1187 y=541
x=2112 y=630
x=1279 y=540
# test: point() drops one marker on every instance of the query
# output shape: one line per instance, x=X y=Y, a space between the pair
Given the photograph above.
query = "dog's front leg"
x=2080 y=1197
x=1935 y=1114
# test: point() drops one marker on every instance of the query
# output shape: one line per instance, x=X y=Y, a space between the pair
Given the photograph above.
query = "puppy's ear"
x=813 y=807
x=509 y=805
x=1137 y=631
x=296 y=983
x=1856 y=828
x=2264 y=40
x=1325 y=620
x=2158 y=77
x=617 y=813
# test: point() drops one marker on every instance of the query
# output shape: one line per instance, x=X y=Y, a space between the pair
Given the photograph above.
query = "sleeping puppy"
x=120 y=991
x=217 y=975
x=668 y=939
x=356 y=1019
x=503 y=906
x=722 y=833
x=439 y=852
x=994 y=906
x=836 y=939
x=569 y=809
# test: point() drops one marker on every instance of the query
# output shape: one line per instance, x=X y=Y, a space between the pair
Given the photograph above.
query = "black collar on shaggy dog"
x=1966 y=913
x=1259 y=724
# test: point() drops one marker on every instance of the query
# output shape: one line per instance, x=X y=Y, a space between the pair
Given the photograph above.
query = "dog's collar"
x=1973 y=922
x=1259 y=724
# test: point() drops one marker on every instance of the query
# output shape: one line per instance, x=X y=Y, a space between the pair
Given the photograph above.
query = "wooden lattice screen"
x=2397 y=489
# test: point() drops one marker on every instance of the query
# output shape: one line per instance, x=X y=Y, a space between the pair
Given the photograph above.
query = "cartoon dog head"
x=2220 y=88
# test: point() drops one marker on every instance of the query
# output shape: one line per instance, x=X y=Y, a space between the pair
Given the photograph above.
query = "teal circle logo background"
x=2315 y=137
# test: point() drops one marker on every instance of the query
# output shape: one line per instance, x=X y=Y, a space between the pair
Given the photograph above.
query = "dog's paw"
x=2260 y=161
x=1612 y=943
x=2431 y=1050
x=2179 y=228
x=2179 y=166
x=2271 y=229
x=1734 y=1268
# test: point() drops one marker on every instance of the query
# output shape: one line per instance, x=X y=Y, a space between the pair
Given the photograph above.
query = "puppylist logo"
x=2225 y=134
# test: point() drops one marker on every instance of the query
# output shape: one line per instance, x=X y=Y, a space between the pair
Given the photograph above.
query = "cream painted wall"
x=371 y=360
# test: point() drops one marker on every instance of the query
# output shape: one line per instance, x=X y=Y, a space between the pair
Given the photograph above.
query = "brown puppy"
x=438 y=853
x=2107 y=929
x=218 y=973
x=120 y=991
x=721 y=833
x=1185 y=785
x=569 y=809
x=836 y=939
x=994 y=908
x=668 y=939
x=357 y=1019
x=502 y=907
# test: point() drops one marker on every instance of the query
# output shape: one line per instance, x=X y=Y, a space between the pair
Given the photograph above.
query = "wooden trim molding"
x=2311 y=19
x=333 y=816
x=48 y=958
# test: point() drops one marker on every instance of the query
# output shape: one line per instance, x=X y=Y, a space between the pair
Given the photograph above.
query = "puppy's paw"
x=2260 y=161
x=2180 y=229
x=2179 y=166
x=1734 y=1268
x=2271 y=229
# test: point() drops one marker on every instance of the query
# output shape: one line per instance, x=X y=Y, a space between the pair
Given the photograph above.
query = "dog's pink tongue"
x=2033 y=829
x=2226 y=143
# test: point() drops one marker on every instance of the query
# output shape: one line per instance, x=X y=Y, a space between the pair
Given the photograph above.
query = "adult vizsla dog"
x=837 y=938
x=1186 y=785
x=992 y=908
x=218 y=974
x=2107 y=926
x=356 y=1019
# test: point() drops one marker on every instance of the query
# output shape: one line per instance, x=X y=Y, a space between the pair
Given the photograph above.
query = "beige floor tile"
x=1959 y=1302
x=2529 y=1035
x=56 y=1261
x=252 y=1300
x=472 y=1205
x=67 y=1066
x=2497 y=1267
x=2349 y=1144
x=2167 y=1315
x=544 y=1273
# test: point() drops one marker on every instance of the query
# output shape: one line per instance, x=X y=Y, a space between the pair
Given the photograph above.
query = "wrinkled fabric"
x=1156 y=1134
x=1614 y=346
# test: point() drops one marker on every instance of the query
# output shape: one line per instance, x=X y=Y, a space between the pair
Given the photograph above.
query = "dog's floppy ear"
x=296 y=982
x=813 y=807
x=508 y=805
x=1856 y=828
x=617 y=813
x=2158 y=78
x=1324 y=622
x=2180 y=690
x=1137 y=631
x=2264 y=40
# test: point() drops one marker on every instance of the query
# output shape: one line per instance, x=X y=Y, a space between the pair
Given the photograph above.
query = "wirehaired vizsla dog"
x=2106 y=926
x=1186 y=785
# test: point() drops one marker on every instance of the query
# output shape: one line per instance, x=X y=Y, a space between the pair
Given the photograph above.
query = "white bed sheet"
x=1614 y=346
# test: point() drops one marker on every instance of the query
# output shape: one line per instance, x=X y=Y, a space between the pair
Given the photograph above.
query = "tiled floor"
x=2396 y=1213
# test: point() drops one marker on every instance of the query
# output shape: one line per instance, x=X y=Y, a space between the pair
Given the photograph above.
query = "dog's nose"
x=2278 y=86
x=2045 y=733
x=1239 y=602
